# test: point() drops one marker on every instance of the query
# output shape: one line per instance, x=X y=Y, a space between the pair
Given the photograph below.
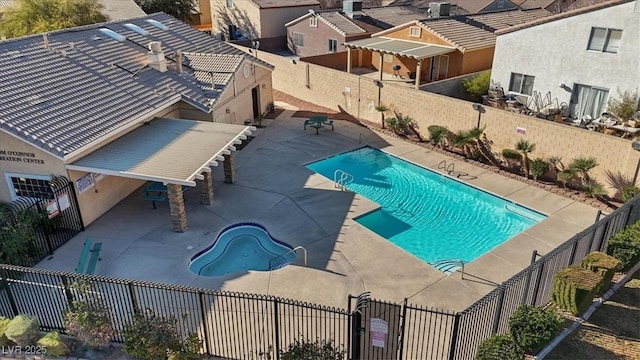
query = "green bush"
x=54 y=345
x=313 y=350
x=438 y=134
x=89 y=320
x=539 y=167
x=477 y=85
x=625 y=246
x=150 y=336
x=629 y=192
x=499 y=347
x=511 y=154
x=603 y=265
x=532 y=327
x=23 y=330
x=4 y=323
x=574 y=289
x=190 y=349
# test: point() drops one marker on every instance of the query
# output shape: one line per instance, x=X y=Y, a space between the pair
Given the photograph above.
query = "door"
x=587 y=100
x=255 y=97
x=439 y=67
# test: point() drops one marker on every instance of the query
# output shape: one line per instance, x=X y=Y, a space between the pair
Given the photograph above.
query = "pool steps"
x=449 y=266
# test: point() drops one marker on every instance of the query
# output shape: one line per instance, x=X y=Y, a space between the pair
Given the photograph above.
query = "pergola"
x=174 y=152
x=397 y=47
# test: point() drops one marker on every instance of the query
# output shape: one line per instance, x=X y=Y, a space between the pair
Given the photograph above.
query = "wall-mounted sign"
x=52 y=209
x=521 y=130
x=19 y=156
x=84 y=183
x=63 y=201
x=379 y=331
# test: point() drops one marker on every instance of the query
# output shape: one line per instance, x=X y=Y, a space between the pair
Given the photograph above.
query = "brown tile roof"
x=265 y=4
x=583 y=3
x=389 y=16
x=339 y=22
x=505 y=19
x=533 y=4
x=563 y=15
x=424 y=4
x=473 y=6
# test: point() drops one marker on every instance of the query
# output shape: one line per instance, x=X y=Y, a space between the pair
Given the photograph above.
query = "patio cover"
x=399 y=47
x=171 y=151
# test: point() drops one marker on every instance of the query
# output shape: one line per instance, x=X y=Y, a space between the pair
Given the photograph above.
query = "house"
x=386 y=17
x=436 y=48
x=201 y=18
x=112 y=9
x=580 y=57
x=324 y=32
x=554 y=6
x=461 y=7
x=111 y=106
x=254 y=19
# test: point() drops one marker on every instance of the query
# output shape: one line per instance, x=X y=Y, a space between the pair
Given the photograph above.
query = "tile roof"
x=582 y=3
x=390 y=16
x=341 y=22
x=265 y=4
x=112 y=9
x=86 y=85
x=563 y=15
x=470 y=32
x=533 y=4
x=424 y=5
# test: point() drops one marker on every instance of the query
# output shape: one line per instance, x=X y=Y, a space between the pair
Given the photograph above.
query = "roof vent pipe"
x=45 y=39
x=156 y=56
x=179 y=61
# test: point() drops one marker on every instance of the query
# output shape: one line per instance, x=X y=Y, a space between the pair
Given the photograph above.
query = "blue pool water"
x=429 y=215
x=242 y=247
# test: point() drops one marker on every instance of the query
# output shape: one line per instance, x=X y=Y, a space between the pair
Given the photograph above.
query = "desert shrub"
x=574 y=289
x=89 y=317
x=54 y=344
x=539 y=167
x=438 y=134
x=511 y=154
x=23 y=330
x=499 y=347
x=4 y=323
x=313 y=350
x=477 y=85
x=594 y=189
x=17 y=231
x=533 y=327
x=190 y=349
x=602 y=264
x=629 y=192
x=625 y=106
x=151 y=336
x=625 y=246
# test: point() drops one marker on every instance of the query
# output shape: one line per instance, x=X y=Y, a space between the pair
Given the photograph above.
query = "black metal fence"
x=54 y=218
x=247 y=326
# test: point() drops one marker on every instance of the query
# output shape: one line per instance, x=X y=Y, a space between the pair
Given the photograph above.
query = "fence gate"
x=376 y=329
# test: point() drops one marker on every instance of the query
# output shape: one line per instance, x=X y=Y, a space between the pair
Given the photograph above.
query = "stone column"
x=229 y=169
x=206 y=189
x=349 y=60
x=418 y=71
x=176 y=206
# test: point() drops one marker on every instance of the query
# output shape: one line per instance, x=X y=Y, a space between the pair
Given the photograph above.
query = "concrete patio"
x=299 y=207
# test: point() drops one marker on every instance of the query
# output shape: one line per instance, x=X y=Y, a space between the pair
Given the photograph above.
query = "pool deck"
x=299 y=207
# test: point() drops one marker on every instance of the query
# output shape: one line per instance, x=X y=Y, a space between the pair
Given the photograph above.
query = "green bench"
x=90 y=267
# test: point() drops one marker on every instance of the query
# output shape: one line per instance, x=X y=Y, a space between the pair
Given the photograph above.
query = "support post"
x=496 y=318
x=276 y=327
x=206 y=189
x=348 y=60
x=418 y=71
x=380 y=66
x=134 y=298
x=176 y=206
x=229 y=169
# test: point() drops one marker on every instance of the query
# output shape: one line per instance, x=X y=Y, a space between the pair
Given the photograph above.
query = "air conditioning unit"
x=439 y=9
x=352 y=8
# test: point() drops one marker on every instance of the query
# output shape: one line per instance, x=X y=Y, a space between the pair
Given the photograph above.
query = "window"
x=333 y=45
x=414 y=31
x=313 y=21
x=387 y=58
x=29 y=186
x=439 y=67
x=521 y=83
x=606 y=40
x=587 y=100
x=298 y=39
x=229 y=4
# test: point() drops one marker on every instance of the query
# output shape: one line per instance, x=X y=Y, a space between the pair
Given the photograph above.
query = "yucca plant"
x=582 y=166
x=594 y=189
x=525 y=147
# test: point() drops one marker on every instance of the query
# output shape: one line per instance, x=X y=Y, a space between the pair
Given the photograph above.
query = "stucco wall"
x=33 y=161
x=556 y=53
x=272 y=20
x=315 y=39
x=477 y=60
x=334 y=88
x=244 y=14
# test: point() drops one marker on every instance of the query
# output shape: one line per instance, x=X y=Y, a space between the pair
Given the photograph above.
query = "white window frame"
x=230 y=4
x=415 y=32
x=607 y=40
x=522 y=82
x=301 y=36
x=12 y=190
x=335 y=48
x=313 y=21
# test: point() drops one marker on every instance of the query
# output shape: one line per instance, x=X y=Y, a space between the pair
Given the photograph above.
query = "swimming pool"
x=429 y=215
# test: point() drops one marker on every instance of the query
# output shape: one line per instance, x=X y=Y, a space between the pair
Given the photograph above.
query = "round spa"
x=242 y=247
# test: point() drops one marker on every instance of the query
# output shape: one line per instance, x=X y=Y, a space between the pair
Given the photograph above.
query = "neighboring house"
x=462 y=7
x=437 y=48
x=201 y=19
x=554 y=6
x=600 y=47
x=389 y=16
x=112 y=9
x=325 y=32
x=85 y=103
x=254 y=19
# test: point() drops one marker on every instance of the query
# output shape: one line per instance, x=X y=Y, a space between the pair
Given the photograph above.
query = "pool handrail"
x=450 y=262
x=288 y=252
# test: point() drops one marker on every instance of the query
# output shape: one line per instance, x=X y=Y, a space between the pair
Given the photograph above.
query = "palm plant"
x=511 y=157
x=556 y=165
x=564 y=176
x=463 y=141
x=438 y=135
x=382 y=109
x=594 y=189
x=582 y=166
x=525 y=147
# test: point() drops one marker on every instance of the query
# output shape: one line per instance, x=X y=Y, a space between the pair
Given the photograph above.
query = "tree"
x=525 y=147
x=179 y=9
x=27 y=17
x=625 y=107
x=477 y=85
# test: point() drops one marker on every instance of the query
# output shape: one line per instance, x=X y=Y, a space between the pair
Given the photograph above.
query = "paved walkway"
x=303 y=208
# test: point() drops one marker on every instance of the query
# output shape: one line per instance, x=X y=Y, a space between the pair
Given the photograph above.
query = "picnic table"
x=157 y=191
x=626 y=130
x=318 y=122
